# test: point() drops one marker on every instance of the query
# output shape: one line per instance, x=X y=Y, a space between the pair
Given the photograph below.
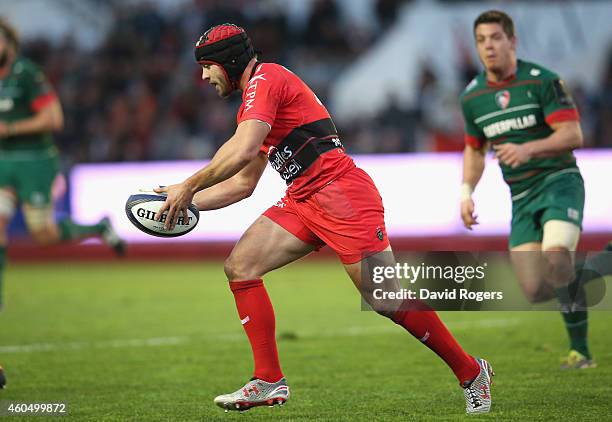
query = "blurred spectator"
x=439 y=114
x=603 y=131
x=386 y=11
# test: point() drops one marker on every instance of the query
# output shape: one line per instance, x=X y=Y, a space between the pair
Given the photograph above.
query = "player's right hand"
x=178 y=199
x=467 y=214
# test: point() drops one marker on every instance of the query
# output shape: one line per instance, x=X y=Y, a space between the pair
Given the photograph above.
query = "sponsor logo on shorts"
x=572 y=213
x=37 y=199
x=6 y=104
x=380 y=234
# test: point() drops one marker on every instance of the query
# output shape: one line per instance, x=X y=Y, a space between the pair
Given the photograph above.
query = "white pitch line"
x=109 y=344
x=238 y=336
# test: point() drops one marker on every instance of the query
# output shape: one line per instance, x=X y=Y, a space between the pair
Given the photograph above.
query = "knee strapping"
x=38 y=218
x=561 y=234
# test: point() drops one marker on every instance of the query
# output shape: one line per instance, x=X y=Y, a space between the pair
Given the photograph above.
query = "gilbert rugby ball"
x=141 y=210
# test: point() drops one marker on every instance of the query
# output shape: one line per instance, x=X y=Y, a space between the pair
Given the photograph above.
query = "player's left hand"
x=177 y=202
x=512 y=155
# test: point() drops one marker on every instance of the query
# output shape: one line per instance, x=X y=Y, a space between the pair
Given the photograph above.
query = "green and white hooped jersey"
x=519 y=110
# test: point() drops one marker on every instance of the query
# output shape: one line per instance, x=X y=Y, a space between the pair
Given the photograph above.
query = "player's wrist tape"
x=466 y=191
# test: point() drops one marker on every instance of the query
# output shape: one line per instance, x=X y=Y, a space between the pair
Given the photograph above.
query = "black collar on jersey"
x=257 y=63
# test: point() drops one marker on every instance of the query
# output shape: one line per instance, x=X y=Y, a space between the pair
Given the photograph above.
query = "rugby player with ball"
x=329 y=201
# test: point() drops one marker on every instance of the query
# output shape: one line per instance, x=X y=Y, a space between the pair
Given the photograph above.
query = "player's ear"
x=513 y=42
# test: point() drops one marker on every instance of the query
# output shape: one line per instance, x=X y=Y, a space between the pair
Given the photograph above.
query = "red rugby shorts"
x=347 y=215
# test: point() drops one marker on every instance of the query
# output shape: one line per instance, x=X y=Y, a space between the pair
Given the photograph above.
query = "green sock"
x=2 y=262
x=575 y=315
x=72 y=231
x=577 y=324
x=573 y=298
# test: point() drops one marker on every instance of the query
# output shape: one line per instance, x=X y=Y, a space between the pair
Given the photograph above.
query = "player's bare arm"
x=473 y=167
x=235 y=189
x=567 y=136
x=48 y=119
x=233 y=156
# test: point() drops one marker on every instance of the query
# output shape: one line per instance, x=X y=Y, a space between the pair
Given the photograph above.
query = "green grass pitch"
x=156 y=342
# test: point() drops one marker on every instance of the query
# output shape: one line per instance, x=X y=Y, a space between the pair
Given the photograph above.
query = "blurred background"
x=390 y=71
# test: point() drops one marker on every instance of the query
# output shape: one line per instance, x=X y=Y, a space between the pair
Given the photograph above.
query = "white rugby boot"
x=255 y=393
x=478 y=392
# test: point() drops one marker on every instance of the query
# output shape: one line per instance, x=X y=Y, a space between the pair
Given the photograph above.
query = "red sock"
x=423 y=323
x=257 y=317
